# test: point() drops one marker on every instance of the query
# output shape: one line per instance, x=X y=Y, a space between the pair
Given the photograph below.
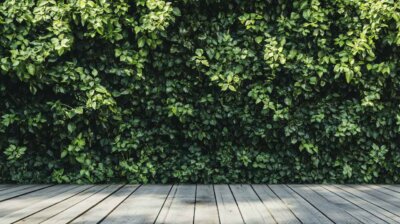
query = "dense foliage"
x=200 y=91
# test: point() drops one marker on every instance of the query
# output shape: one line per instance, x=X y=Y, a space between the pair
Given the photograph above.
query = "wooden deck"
x=199 y=204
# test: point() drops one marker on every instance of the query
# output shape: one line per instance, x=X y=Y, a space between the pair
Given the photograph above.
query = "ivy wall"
x=204 y=91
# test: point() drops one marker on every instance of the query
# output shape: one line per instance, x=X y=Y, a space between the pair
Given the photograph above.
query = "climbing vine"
x=157 y=91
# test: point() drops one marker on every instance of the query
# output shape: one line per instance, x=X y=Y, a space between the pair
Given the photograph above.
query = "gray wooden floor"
x=199 y=204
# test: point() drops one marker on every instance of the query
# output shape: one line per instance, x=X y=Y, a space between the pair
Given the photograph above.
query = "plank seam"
x=96 y=203
x=371 y=201
x=391 y=189
x=379 y=190
x=53 y=204
x=27 y=192
x=259 y=198
x=234 y=198
x=5 y=188
x=310 y=203
x=285 y=204
x=47 y=218
x=195 y=202
x=216 y=204
x=26 y=186
x=162 y=206
x=374 y=195
x=355 y=204
x=334 y=203
x=101 y=220
x=172 y=200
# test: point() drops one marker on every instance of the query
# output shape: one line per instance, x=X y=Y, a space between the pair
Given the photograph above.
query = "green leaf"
x=31 y=69
x=349 y=77
x=176 y=11
x=71 y=127
x=141 y=42
x=64 y=154
x=259 y=39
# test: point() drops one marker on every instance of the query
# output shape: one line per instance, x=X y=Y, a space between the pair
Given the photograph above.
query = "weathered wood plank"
x=374 y=200
x=10 y=189
x=179 y=207
x=380 y=193
x=356 y=211
x=17 y=203
x=330 y=210
x=371 y=208
x=20 y=190
x=228 y=210
x=6 y=186
x=280 y=212
x=394 y=188
x=383 y=189
x=51 y=199
x=104 y=208
x=250 y=206
x=62 y=206
x=83 y=206
x=141 y=207
x=206 y=211
x=300 y=207
x=201 y=204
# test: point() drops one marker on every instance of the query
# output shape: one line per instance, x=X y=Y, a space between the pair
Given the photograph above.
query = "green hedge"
x=146 y=91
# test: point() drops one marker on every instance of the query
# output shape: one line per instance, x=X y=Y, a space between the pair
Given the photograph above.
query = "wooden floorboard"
x=381 y=189
x=392 y=198
x=278 y=209
x=60 y=195
x=391 y=209
x=62 y=206
x=104 y=208
x=6 y=186
x=306 y=212
x=199 y=204
x=392 y=188
x=18 y=191
x=227 y=207
x=17 y=203
x=83 y=206
x=330 y=210
x=357 y=212
x=250 y=205
x=206 y=211
x=7 y=189
x=136 y=208
x=367 y=206
x=179 y=206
